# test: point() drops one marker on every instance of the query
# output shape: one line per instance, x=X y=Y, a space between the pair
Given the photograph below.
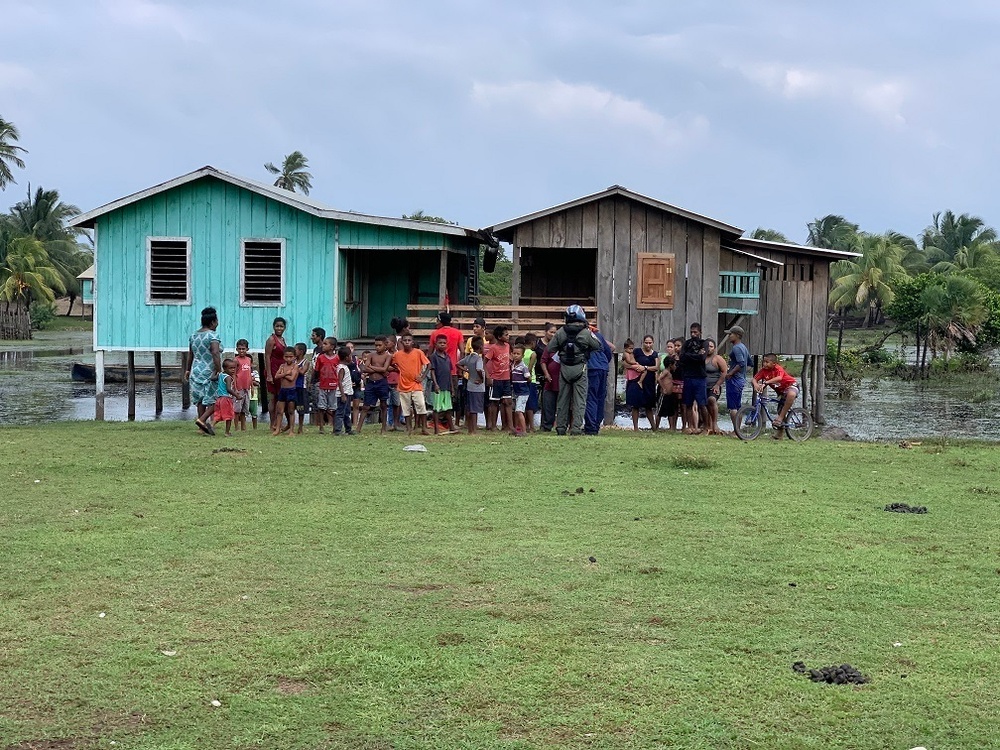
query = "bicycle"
x=750 y=420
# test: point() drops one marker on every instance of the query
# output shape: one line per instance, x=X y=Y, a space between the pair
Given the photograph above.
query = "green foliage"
x=770 y=235
x=292 y=174
x=421 y=216
x=9 y=152
x=832 y=232
x=42 y=314
x=496 y=285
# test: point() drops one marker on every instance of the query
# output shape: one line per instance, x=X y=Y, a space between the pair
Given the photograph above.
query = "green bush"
x=42 y=314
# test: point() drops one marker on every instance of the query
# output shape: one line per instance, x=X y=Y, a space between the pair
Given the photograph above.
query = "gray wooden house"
x=649 y=267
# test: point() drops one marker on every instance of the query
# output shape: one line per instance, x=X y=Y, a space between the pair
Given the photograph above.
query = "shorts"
x=709 y=390
x=442 y=401
x=695 y=390
x=253 y=406
x=326 y=400
x=532 y=397
x=521 y=403
x=242 y=405
x=475 y=401
x=412 y=402
x=394 y=396
x=668 y=405
x=224 y=408
x=301 y=400
x=500 y=389
x=377 y=390
x=202 y=391
x=287 y=395
x=734 y=393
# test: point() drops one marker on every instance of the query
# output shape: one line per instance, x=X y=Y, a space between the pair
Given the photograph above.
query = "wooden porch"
x=520 y=319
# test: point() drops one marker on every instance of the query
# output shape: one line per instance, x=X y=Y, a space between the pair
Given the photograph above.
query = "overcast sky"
x=765 y=113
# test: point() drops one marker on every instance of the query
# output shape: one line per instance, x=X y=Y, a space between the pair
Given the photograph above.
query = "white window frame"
x=243 y=250
x=149 y=271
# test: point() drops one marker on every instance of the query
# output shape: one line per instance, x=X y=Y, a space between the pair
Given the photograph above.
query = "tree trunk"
x=840 y=343
x=72 y=299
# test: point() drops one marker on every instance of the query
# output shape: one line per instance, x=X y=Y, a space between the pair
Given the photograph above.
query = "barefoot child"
x=375 y=366
x=244 y=384
x=303 y=364
x=345 y=393
x=475 y=391
x=225 y=395
x=520 y=387
x=327 y=384
x=441 y=381
x=498 y=380
x=284 y=405
x=411 y=363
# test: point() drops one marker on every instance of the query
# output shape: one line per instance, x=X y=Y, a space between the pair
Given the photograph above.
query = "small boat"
x=84 y=373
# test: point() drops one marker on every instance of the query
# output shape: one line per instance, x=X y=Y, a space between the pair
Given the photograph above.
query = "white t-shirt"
x=346 y=384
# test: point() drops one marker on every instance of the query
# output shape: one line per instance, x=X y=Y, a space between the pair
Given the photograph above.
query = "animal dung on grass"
x=844 y=674
x=592 y=559
x=905 y=508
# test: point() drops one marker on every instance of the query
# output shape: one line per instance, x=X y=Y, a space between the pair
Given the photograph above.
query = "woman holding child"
x=641 y=392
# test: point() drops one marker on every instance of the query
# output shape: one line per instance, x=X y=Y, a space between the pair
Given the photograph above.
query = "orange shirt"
x=410 y=365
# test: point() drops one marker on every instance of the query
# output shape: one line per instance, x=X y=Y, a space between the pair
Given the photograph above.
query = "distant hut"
x=649 y=267
x=254 y=252
x=86 y=291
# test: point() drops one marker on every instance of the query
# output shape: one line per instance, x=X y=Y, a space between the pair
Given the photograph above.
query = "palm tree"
x=8 y=152
x=867 y=282
x=952 y=311
x=958 y=243
x=26 y=273
x=770 y=235
x=292 y=173
x=831 y=232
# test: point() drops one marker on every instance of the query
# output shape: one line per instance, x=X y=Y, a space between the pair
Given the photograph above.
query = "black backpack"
x=571 y=353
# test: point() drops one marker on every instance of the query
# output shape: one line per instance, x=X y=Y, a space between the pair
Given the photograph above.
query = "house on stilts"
x=254 y=251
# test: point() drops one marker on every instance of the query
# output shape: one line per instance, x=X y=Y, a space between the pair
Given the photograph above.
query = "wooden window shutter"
x=655 y=281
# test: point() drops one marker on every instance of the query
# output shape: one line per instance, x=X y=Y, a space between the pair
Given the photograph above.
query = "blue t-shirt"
x=221 y=391
x=600 y=359
x=740 y=357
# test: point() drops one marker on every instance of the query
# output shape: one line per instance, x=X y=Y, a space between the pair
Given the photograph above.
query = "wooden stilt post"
x=612 y=399
x=185 y=385
x=99 y=377
x=804 y=382
x=820 y=388
x=261 y=368
x=130 y=384
x=443 y=278
x=158 y=380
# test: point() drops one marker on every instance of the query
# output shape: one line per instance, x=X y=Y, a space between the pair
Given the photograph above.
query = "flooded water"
x=35 y=386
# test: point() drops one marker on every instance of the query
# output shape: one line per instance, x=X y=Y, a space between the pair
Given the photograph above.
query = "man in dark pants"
x=692 y=362
x=573 y=343
x=597 y=383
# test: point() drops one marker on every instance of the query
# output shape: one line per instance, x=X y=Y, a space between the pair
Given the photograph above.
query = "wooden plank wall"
x=792 y=317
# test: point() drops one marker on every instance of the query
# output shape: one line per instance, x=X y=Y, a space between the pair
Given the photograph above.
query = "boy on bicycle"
x=774 y=375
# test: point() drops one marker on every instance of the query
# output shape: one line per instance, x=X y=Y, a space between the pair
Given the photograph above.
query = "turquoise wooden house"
x=254 y=252
x=86 y=279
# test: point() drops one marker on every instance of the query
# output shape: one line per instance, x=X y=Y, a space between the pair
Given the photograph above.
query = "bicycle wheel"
x=798 y=424
x=749 y=424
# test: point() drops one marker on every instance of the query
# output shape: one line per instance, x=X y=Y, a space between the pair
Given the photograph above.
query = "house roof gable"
x=295 y=200
x=503 y=229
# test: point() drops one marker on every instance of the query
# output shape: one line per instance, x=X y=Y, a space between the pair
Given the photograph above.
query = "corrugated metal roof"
x=614 y=190
x=788 y=247
x=295 y=200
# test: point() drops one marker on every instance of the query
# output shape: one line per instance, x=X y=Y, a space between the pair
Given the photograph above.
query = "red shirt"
x=498 y=361
x=326 y=370
x=455 y=342
x=244 y=373
x=776 y=371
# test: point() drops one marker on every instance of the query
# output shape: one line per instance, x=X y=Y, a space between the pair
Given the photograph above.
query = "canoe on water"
x=84 y=373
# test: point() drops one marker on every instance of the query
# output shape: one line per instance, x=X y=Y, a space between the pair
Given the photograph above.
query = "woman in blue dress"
x=641 y=392
x=204 y=366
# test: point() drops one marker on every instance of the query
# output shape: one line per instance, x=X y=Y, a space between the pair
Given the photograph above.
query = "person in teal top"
x=204 y=365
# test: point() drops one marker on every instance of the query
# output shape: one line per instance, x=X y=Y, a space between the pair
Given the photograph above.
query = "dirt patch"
x=289 y=686
x=450 y=639
x=905 y=508
x=235 y=452
x=657 y=621
x=652 y=570
x=64 y=743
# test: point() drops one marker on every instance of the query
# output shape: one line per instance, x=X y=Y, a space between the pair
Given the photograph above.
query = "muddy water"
x=35 y=386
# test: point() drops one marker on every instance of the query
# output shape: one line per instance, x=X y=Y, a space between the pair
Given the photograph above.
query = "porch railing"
x=519 y=318
x=739 y=292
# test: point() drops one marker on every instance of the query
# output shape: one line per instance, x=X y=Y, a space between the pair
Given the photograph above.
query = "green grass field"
x=342 y=593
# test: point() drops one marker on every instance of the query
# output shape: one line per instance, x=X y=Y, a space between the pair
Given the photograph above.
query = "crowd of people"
x=459 y=380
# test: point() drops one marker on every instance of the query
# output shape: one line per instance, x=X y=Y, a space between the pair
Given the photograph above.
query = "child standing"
x=498 y=380
x=375 y=366
x=254 y=397
x=441 y=381
x=244 y=384
x=394 y=418
x=284 y=405
x=345 y=391
x=303 y=365
x=225 y=394
x=327 y=384
x=520 y=378
x=475 y=390
x=411 y=364
x=530 y=359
